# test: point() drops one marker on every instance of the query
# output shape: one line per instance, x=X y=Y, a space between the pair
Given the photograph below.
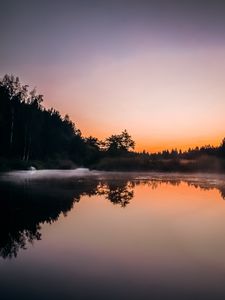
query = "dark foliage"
x=28 y=131
x=27 y=204
x=33 y=135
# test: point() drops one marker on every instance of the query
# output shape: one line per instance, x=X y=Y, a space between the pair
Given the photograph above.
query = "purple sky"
x=156 y=68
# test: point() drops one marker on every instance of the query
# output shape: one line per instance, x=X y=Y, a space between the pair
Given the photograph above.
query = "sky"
x=155 y=68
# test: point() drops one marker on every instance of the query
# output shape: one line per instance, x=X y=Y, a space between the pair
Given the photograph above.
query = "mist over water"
x=106 y=235
x=17 y=176
x=14 y=176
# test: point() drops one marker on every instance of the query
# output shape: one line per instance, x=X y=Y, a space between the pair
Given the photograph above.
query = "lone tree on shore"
x=118 y=143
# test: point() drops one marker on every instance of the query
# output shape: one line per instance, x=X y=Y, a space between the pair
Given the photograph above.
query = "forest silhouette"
x=32 y=135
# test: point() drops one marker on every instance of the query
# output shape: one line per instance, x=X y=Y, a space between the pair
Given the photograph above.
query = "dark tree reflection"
x=25 y=206
x=120 y=192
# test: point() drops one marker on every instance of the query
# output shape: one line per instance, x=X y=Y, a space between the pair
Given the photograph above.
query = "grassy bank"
x=204 y=164
x=16 y=164
x=127 y=163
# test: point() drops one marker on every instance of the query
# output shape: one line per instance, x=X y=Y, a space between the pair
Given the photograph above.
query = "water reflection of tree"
x=155 y=183
x=25 y=207
x=222 y=192
x=198 y=184
x=117 y=192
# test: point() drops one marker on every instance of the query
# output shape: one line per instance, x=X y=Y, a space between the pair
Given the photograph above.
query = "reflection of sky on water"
x=167 y=240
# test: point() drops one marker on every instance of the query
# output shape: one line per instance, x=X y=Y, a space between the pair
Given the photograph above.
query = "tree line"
x=31 y=133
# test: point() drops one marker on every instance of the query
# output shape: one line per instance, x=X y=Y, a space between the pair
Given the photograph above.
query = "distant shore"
x=203 y=164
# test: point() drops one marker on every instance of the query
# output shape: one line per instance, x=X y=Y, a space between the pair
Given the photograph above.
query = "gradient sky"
x=155 y=68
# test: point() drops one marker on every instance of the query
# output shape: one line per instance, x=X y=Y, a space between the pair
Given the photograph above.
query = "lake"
x=95 y=235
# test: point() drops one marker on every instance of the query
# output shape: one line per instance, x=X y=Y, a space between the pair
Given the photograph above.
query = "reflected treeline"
x=202 y=184
x=25 y=206
x=117 y=192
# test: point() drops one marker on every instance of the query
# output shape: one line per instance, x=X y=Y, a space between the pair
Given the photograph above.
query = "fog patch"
x=33 y=175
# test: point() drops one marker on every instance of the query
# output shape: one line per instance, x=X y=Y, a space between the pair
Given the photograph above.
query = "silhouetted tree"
x=27 y=130
x=119 y=143
x=221 y=149
x=30 y=132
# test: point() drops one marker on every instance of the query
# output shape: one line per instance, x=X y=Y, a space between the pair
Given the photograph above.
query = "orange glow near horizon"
x=179 y=145
x=151 y=143
x=164 y=98
x=155 y=70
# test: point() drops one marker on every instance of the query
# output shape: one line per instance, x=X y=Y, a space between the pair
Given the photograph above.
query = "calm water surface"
x=93 y=235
